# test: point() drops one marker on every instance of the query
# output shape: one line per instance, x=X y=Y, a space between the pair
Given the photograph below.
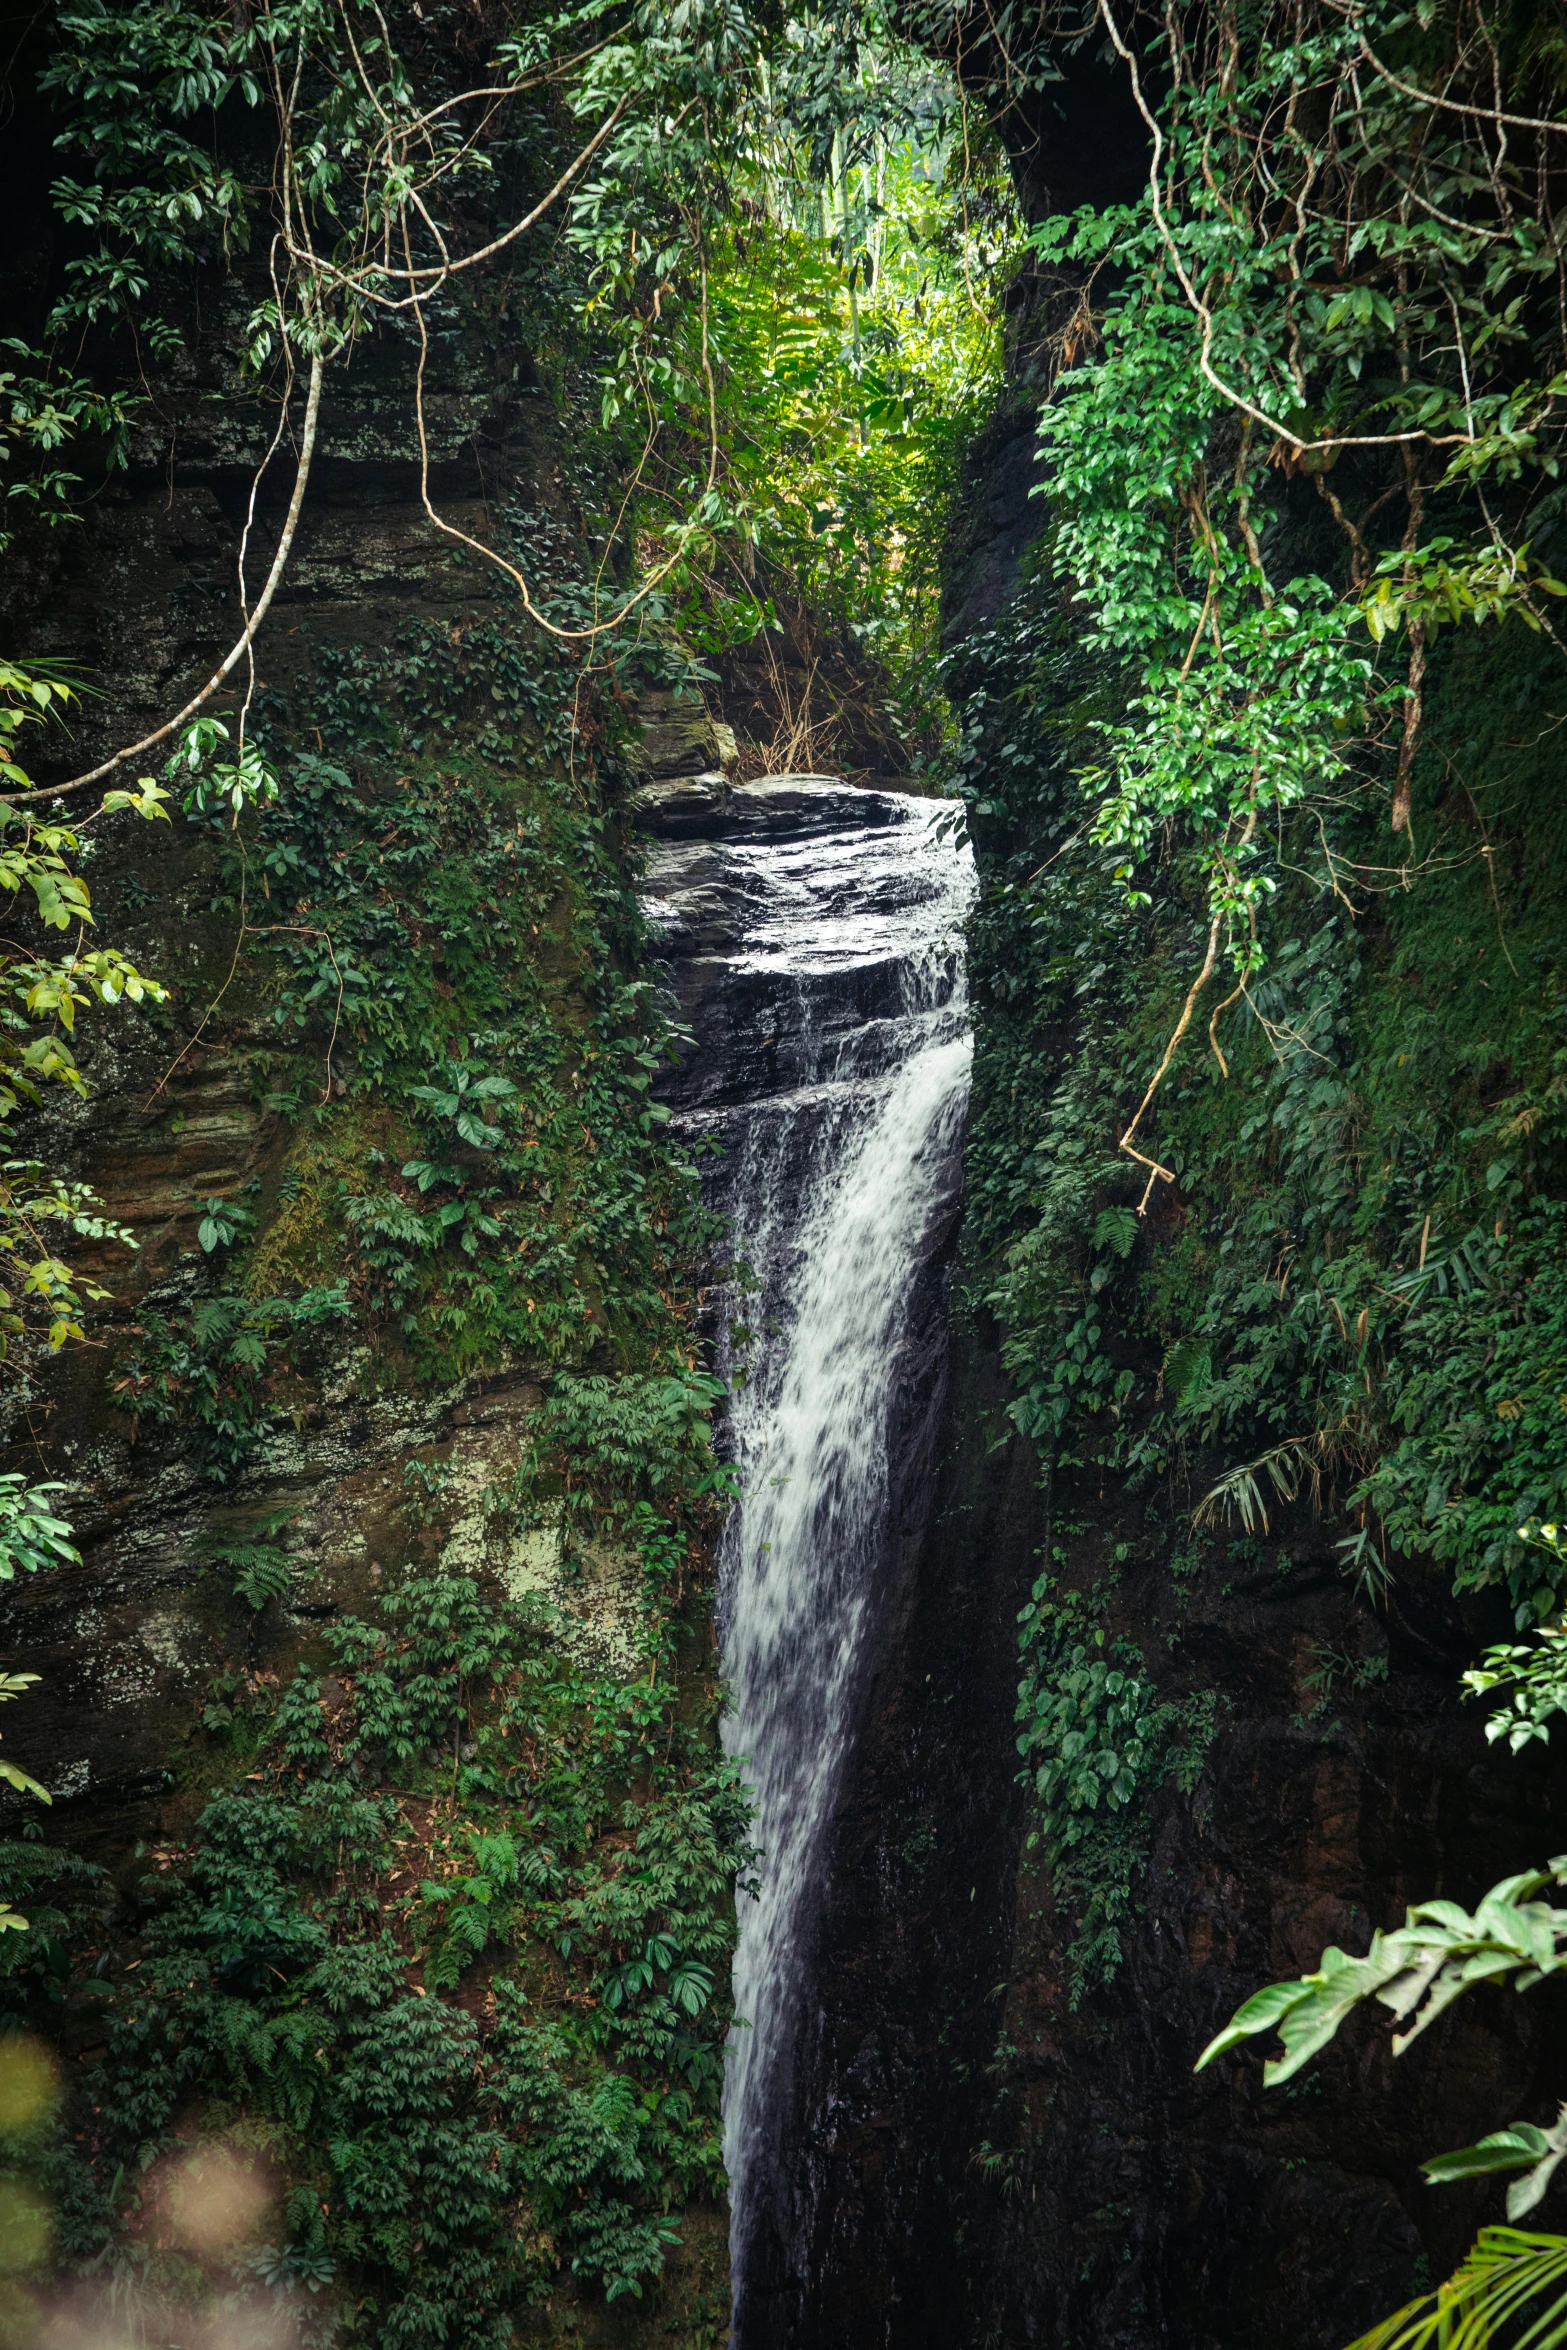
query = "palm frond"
x=1509 y=2294
x=1239 y=1494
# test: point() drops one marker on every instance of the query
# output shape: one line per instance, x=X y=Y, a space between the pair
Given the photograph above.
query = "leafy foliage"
x=447 y=929
x=452 y=1933
x=40 y=416
x=260 y=1565
x=1501 y=2291
x=533 y=2107
x=1417 y=1970
x=1537 y=1676
x=854 y=368
x=1377 y=290
x=32 y=1535
x=1346 y=1296
x=40 y=996
x=614 y=1448
x=1523 y=2147
x=210 y=1371
x=52 y=1883
x=222 y=1223
x=447 y=1810
x=1096 y=1741
x=17 y=1685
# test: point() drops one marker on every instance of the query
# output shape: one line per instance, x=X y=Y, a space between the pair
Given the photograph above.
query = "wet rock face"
x=128 y=1641
x=757 y=1034
x=1146 y=2204
x=680 y=739
x=772 y=807
x=893 y=2090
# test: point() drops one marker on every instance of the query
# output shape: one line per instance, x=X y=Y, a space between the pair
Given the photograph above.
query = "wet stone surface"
x=814 y=943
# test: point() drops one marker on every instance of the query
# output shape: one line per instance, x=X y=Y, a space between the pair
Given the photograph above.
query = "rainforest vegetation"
x=425 y=1977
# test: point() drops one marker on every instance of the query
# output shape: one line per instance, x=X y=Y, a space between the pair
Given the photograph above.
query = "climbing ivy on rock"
x=1096 y=1740
x=1348 y=1295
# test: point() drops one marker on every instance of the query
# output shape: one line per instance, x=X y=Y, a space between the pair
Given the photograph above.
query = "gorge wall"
x=389 y=1643
x=1008 y=2140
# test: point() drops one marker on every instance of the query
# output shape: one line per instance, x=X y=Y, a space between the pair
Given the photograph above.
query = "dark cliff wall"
x=1011 y=2145
x=1004 y=2145
x=994 y=2165
x=917 y=1919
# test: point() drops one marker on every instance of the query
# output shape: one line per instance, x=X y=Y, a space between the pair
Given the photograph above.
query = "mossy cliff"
x=1358 y=1271
x=387 y=1891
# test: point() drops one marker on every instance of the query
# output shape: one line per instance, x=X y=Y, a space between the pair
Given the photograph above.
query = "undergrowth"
x=452 y=1799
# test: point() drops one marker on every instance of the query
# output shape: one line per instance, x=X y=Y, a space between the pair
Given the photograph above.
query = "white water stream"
x=850 y=948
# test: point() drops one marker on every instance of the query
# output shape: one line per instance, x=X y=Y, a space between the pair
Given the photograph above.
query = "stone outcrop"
x=757 y=1037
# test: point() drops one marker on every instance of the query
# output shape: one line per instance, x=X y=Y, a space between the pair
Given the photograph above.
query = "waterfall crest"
x=818 y=955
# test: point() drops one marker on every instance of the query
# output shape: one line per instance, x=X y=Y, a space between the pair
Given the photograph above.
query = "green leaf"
x=1512 y=2149
x=1116 y=1229
x=1188 y=1371
x=1419 y=1970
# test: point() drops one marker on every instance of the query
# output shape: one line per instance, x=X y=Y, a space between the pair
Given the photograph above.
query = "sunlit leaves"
x=1277 y=305
x=1536 y=1676
x=1247 y=695
x=1440 y=584
x=212 y=782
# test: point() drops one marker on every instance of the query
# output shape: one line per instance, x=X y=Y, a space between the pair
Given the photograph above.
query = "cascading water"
x=818 y=952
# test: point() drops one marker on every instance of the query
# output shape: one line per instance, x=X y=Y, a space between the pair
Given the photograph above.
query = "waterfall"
x=818 y=956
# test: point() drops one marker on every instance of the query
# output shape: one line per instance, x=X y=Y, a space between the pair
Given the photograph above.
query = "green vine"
x=1096 y=1741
